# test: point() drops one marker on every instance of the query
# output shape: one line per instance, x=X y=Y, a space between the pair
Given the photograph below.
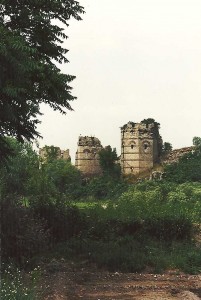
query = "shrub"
x=22 y=233
x=103 y=188
x=162 y=211
x=169 y=228
x=187 y=169
x=63 y=221
x=21 y=166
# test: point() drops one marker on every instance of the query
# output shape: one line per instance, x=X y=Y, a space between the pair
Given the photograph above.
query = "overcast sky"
x=133 y=59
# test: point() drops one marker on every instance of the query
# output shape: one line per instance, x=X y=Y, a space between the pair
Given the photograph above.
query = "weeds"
x=129 y=254
x=13 y=285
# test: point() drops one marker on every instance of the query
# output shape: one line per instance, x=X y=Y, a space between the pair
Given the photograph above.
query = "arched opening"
x=132 y=144
x=146 y=146
x=86 y=153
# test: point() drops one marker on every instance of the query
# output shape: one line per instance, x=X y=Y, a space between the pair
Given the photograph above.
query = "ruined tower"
x=53 y=152
x=140 y=146
x=87 y=158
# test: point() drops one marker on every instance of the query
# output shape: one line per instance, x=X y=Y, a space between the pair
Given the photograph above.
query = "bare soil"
x=63 y=280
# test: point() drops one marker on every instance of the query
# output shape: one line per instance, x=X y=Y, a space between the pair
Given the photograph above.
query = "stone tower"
x=56 y=151
x=87 y=158
x=140 y=146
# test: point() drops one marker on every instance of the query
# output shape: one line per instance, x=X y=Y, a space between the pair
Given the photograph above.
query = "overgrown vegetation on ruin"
x=51 y=211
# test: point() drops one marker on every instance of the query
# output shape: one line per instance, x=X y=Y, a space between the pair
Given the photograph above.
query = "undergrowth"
x=14 y=285
x=128 y=254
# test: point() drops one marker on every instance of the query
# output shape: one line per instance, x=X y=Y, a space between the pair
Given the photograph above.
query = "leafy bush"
x=104 y=187
x=163 y=211
x=187 y=169
x=63 y=222
x=22 y=233
x=55 y=179
x=63 y=175
x=21 y=166
x=131 y=254
x=169 y=227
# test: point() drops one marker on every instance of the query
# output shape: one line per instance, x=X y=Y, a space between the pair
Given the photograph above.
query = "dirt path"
x=62 y=280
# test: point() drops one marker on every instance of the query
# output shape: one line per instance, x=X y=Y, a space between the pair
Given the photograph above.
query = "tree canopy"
x=109 y=161
x=32 y=33
x=166 y=148
x=197 y=143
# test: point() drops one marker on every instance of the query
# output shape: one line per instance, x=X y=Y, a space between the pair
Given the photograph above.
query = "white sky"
x=133 y=59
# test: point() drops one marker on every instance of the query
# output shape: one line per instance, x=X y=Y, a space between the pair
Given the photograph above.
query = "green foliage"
x=169 y=227
x=167 y=147
x=23 y=234
x=30 y=49
x=130 y=122
x=109 y=162
x=22 y=176
x=33 y=203
x=63 y=221
x=150 y=225
x=129 y=254
x=123 y=227
x=188 y=168
x=161 y=211
x=20 y=168
x=150 y=121
x=63 y=175
x=13 y=286
x=197 y=143
x=104 y=187
x=5 y=151
x=51 y=153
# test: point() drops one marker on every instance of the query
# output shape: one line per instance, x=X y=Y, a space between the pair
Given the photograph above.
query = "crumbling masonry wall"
x=174 y=155
x=87 y=158
x=60 y=154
